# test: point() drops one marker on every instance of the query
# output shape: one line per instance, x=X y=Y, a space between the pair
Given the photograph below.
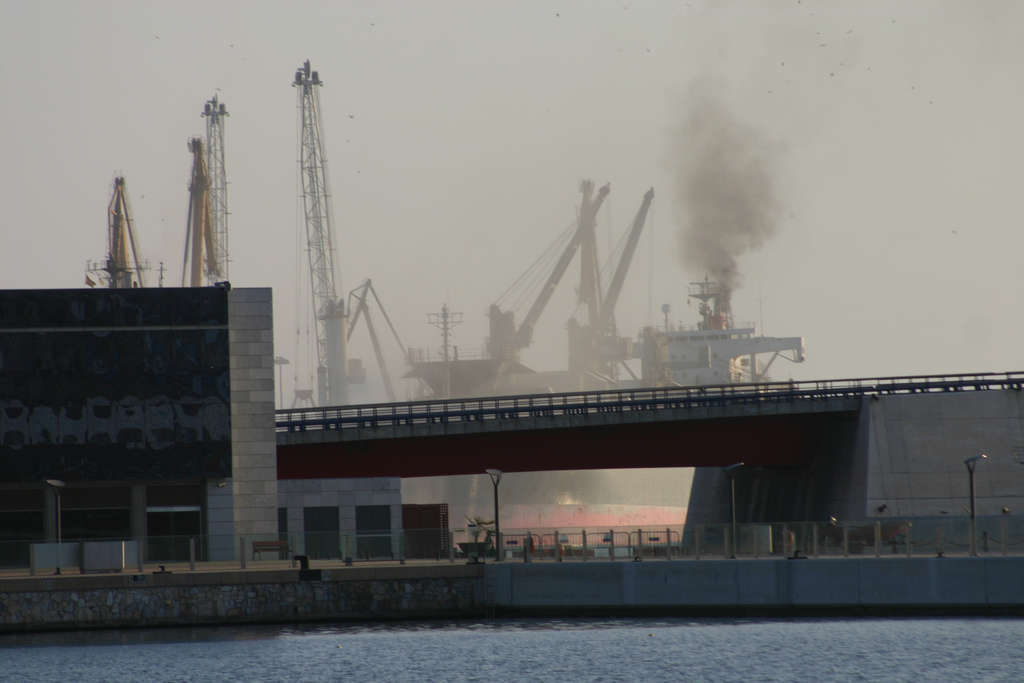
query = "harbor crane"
x=123 y=268
x=506 y=340
x=215 y=114
x=328 y=310
x=594 y=346
x=359 y=306
x=201 y=256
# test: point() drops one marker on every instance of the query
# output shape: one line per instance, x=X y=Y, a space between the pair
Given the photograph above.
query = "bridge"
x=773 y=424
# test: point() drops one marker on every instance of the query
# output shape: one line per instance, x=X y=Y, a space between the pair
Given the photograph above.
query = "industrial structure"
x=331 y=319
x=123 y=267
x=215 y=114
x=201 y=261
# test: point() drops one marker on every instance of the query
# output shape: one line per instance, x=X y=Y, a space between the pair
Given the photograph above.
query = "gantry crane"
x=215 y=113
x=201 y=256
x=120 y=269
x=328 y=309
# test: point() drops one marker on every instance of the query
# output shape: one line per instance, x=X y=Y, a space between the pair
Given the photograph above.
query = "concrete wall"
x=346 y=494
x=781 y=584
x=253 y=442
x=916 y=446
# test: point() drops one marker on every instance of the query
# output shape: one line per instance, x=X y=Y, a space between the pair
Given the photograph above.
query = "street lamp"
x=971 y=463
x=495 y=476
x=280 y=362
x=57 y=485
x=731 y=472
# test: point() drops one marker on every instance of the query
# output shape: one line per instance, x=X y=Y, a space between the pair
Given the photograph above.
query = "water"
x=940 y=649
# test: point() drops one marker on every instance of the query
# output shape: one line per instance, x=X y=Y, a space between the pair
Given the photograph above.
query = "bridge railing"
x=515 y=407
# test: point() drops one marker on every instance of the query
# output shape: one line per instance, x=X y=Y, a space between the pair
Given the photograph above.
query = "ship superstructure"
x=715 y=351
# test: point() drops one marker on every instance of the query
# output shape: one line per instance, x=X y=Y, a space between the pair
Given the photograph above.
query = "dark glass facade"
x=105 y=385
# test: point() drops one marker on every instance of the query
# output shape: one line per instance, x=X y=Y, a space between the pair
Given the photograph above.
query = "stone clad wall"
x=274 y=597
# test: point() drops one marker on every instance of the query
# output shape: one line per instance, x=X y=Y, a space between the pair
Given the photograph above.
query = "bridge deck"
x=386 y=420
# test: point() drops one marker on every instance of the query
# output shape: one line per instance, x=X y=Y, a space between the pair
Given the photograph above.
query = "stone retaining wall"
x=237 y=597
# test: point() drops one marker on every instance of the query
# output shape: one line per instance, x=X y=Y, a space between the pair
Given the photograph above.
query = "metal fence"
x=890 y=537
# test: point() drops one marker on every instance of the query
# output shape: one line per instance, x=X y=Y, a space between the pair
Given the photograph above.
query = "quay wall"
x=183 y=599
x=768 y=586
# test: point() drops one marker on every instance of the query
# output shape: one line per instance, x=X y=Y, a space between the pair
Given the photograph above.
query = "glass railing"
x=890 y=537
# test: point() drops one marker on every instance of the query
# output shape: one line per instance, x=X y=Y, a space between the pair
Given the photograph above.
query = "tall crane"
x=328 y=309
x=201 y=256
x=594 y=346
x=215 y=113
x=506 y=340
x=359 y=307
x=123 y=267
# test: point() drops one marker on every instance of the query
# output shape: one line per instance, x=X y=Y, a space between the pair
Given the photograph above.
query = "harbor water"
x=671 y=649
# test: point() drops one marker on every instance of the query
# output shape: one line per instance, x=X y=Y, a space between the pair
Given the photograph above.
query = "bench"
x=270 y=546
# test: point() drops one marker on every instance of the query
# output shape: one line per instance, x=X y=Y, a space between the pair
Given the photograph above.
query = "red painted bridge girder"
x=774 y=440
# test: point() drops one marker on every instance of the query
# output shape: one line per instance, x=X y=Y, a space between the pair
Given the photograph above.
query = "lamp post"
x=280 y=362
x=731 y=471
x=971 y=463
x=495 y=476
x=57 y=485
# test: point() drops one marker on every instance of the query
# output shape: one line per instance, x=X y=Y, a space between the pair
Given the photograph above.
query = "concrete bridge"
x=775 y=425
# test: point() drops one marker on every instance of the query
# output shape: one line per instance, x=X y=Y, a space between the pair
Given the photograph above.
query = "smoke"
x=725 y=190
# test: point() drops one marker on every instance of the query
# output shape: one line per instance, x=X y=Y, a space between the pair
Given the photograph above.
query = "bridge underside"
x=781 y=440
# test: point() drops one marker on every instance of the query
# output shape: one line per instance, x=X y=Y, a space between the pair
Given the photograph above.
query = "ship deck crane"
x=506 y=339
x=359 y=308
x=594 y=346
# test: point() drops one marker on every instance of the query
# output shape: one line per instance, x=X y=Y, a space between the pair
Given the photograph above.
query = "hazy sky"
x=457 y=134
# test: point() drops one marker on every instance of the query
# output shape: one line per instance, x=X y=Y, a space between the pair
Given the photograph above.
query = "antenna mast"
x=328 y=310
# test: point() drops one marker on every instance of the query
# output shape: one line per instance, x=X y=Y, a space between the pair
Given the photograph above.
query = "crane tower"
x=215 y=112
x=328 y=309
x=123 y=266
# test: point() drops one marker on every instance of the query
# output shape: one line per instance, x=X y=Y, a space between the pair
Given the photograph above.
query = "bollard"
x=558 y=546
x=639 y=549
x=585 y=551
x=785 y=540
x=910 y=543
x=192 y=553
x=526 y=547
x=241 y=551
x=611 y=546
x=668 y=544
x=878 y=539
x=846 y=541
x=939 y=542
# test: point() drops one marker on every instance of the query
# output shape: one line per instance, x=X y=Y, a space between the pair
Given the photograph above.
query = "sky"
x=457 y=134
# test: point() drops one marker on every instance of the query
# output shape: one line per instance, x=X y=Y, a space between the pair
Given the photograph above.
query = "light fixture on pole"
x=280 y=362
x=972 y=531
x=57 y=485
x=495 y=476
x=731 y=472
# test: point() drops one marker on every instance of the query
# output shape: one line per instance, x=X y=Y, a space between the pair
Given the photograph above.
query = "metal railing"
x=374 y=415
x=890 y=537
